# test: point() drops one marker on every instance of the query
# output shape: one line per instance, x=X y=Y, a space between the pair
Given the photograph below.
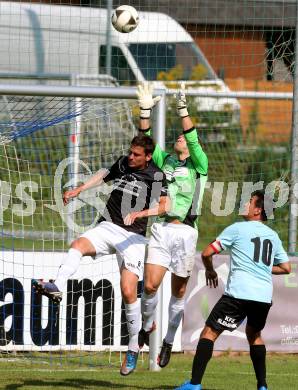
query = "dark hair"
x=145 y=141
x=265 y=203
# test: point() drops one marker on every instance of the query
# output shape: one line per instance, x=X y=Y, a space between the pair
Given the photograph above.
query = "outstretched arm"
x=196 y=152
x=146 y=103
x=94 y=181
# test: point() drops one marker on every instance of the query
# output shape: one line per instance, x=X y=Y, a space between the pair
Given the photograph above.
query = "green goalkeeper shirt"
x=186 y=179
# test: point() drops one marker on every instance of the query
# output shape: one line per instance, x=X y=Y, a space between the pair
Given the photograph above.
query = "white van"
x=50 y=39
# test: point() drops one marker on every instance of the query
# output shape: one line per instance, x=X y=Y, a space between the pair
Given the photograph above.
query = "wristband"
x=182 y=112
x=145 y=113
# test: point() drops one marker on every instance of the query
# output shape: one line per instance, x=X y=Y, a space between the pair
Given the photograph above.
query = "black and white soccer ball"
x=125 y=18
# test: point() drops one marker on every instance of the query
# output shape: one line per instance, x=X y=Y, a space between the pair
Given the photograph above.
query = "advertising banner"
x=91 y=315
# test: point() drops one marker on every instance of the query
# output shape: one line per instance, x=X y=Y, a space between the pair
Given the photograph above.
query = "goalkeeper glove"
x=146 y=100
x=181 y=102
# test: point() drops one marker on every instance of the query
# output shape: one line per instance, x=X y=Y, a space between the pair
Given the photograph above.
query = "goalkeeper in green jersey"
x=172 y=245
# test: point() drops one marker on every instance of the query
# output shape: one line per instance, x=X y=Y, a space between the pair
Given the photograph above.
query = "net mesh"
x=54 y=149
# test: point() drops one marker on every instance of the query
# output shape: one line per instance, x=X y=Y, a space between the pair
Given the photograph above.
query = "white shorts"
x=173 y=246
x=108 y=238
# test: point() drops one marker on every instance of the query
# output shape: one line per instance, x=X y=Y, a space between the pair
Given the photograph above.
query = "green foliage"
x=176 y=73
x=253 y=120
x=199 y=72
x=253 y=123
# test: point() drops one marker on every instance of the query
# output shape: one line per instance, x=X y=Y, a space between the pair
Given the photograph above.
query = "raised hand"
x=181 y=104
x=145 y=99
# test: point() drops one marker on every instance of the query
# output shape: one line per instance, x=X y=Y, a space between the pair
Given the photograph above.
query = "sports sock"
x=68 y=268
x=201 y=359
x=258 y=357
x=148 y=305
x=133 y=317
x=176 y=309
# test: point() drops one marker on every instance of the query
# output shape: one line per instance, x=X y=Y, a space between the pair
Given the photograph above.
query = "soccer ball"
x=125 y=18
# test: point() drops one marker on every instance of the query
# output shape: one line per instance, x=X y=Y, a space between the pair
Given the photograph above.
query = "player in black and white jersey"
x=139 y=191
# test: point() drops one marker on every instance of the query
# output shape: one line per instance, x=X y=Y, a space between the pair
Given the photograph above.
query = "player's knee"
x=253 y=337
x=150 y=288
x=128 y=292
x=209 y=333
x=254 y=340
x=77 y=244
x=178 y=286
x=179 y=293
x=205 y=332
x=84 y=246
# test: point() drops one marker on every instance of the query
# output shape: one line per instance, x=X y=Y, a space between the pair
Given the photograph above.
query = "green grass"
x=21 y=244
x=224 y=372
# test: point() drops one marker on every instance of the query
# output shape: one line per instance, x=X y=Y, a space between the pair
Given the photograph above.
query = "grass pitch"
x=224 y=372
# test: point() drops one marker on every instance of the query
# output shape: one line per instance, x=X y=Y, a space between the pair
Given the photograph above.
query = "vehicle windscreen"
x=154 y=59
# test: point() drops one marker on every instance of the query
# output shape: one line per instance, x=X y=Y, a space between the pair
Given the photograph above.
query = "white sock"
x=133 y=317
x=148 y=306
x=68 y=268
x=176 y=310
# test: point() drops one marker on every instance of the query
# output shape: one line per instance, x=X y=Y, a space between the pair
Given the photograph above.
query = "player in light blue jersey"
x=256 y=254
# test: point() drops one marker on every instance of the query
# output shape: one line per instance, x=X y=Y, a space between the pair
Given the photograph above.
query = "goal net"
x=48 y=145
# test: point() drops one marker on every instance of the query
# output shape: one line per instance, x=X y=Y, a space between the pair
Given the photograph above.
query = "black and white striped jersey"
x=133 y=190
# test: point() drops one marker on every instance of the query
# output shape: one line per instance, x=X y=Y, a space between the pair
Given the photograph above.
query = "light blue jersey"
x=255 y=248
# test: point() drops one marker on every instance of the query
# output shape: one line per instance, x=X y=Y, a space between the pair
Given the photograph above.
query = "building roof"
x=257 y=13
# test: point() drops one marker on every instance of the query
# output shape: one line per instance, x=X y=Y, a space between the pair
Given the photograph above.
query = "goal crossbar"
x=130 y=92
